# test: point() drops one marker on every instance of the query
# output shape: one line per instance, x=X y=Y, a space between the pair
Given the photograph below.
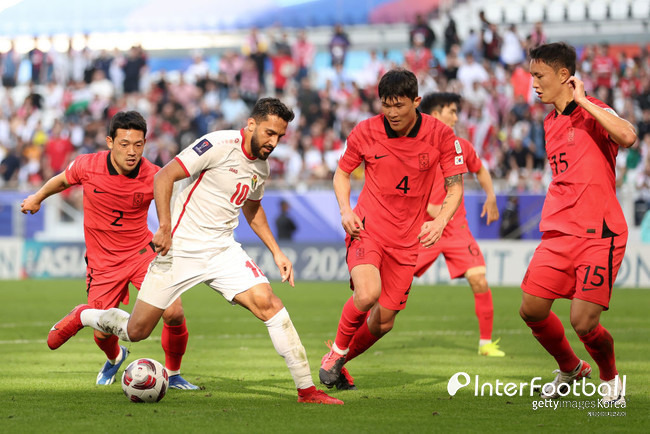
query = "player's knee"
x=478 y=283
x=174 y=315
x=583 y=326
x=138 y=332
x=527 y=315
x=364 y=300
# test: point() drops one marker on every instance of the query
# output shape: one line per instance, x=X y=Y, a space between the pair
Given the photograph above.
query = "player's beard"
x=256 y=148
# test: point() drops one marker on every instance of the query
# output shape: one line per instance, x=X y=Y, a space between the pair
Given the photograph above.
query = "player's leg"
x=265 y=305
x=600 y=261
x=484 y=309
x=106 y=289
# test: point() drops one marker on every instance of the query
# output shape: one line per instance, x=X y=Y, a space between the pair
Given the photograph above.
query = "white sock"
x=482 y=342
x=112 y=321
x=287 y=343
x=337 y=350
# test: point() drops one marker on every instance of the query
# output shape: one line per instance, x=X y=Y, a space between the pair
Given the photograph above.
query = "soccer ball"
x=145 y=380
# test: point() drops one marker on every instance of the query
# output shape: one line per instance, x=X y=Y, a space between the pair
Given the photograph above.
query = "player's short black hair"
x=265 y=107
x=396 y=83
x=437 y=101
x=556 y=55
x=128 y=120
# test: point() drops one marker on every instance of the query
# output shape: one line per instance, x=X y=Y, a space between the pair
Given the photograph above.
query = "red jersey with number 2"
x=581 y=199
x=115 y=208
x=399 y=174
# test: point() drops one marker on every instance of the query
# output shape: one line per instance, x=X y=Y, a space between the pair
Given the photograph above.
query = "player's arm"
x=256 y=218
x=349 y=220
x=490 y=206
x=32 y=203
x=432 y=231
x=620 y=131
x=163 y=187
x=433 y=209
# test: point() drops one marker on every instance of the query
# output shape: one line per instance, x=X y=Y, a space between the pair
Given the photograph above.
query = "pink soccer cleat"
x=66 y=328
x=311 y=395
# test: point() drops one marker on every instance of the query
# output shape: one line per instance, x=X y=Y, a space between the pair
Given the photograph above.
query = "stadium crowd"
x=64 y=109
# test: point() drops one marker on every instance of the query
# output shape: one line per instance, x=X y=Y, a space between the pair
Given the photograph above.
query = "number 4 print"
x=254 y=268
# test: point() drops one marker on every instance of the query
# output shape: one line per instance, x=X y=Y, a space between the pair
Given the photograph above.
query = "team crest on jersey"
x=424 y=161
x=138 y=198
x=202 y=147
x=571 y=136
x=254 y=180
x=458 y=160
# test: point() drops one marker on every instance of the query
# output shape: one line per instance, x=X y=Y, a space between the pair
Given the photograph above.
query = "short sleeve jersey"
x=223 y=176
x=438 y=193
x=399 y=174
x=115 y=208
x=581 y=199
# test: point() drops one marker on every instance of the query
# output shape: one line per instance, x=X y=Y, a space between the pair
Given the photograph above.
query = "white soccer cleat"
x=564 y=380
x=615 y=393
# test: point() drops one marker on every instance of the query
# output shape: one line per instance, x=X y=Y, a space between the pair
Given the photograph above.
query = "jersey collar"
x=243 y=149
x=112 y=171
x=569 y=109
x=413 y=133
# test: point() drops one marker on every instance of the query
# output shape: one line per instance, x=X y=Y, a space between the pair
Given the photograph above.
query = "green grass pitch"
x=402 y=380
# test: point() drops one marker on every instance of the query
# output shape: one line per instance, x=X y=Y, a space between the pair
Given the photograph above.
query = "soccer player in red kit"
x=462 y=254
x=401 y=150
x=118 y=189
x=584 y=230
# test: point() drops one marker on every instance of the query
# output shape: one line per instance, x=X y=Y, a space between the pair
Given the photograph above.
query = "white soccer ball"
x=145 y=380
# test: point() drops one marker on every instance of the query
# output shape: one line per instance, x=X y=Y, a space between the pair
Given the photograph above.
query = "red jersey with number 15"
x=581 y=199
x=115 y=208
x=399 y=174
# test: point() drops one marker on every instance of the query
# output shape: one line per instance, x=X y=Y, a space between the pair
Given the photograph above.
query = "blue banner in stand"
x=43 y=260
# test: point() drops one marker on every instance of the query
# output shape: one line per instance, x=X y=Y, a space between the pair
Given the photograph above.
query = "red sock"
x=550 y=333
x=174 y=343
x=485 y=313
x=351 y=319
x=600 y=345
x=109 y=346
x=361 y=341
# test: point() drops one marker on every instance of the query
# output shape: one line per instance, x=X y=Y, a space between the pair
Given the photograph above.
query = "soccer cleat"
x=345 y=381
x=178 y=382
x=66 y=328
x=106 y=375
x=563 y=380
x=615 y=393
x=311 y=395
x=330 y=367
x=491 y=349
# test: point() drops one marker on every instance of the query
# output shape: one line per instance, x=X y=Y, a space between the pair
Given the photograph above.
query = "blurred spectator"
x=512 y=50
x=470 y=72
x=451 y=34
x=491 y=43
x=418 y=58
x=199 y=70
x=133 y=69
x=303 y=53
x=472 y=46
x=234 y=109
x=58 y=151
x=9 y=63
x=256 y=47
x=37 y=59
x=537 y=36
x=284 y=69
x=423 y=31
x=339 y=45
x=509 y=228
x=284 y=224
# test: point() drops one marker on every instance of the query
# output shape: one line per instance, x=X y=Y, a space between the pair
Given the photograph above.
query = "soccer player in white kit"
x=227 y=170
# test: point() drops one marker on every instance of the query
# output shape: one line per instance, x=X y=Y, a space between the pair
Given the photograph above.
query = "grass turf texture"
x=402 y=380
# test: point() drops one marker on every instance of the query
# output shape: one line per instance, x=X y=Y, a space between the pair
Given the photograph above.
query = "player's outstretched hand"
x=431 y=232
x=30 y=205
x=491 y=210
x=352 y=224
x=285 y=266
x=162 y=241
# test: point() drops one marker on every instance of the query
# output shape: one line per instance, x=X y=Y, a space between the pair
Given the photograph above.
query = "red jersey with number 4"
x=115 y=208
x=438 y=193
x=399 y=174
x=581 y=199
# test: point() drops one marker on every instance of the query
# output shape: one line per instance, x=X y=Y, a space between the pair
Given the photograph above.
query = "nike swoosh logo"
x=99 y=192
x=402 y=302
x=377 y=157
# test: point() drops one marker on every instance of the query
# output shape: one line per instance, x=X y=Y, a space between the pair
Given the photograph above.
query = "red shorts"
x=460 y=250
x=109 y=288
x=395 y=267
x=566 y=266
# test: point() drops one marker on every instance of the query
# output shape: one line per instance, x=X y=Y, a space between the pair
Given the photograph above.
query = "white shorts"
x=229 y=272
